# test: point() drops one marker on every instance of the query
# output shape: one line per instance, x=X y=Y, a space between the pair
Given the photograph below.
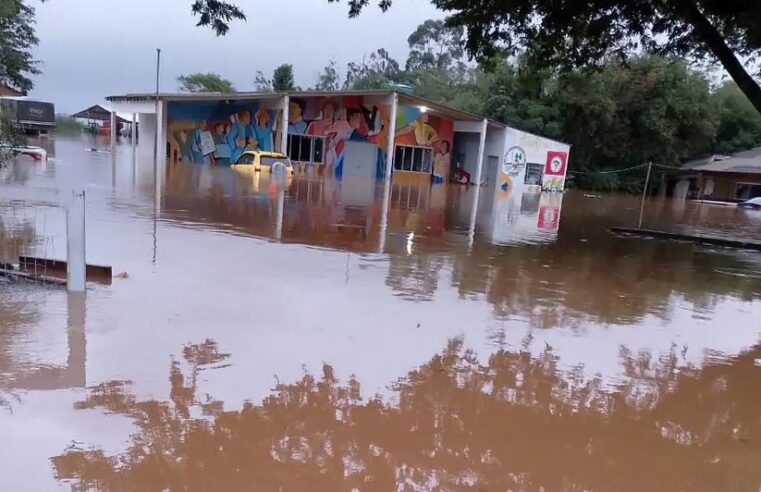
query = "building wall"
x=725 y=186
x=523 y=149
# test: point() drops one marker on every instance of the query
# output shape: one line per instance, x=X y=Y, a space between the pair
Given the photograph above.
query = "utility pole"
x=156 y=133
x=644 y=193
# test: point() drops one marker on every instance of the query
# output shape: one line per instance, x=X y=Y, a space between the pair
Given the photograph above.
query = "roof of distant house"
x=6 y=90
x=97 y=113
x=746 y=162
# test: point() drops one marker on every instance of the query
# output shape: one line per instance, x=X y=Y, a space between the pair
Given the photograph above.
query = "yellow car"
x=264 y=161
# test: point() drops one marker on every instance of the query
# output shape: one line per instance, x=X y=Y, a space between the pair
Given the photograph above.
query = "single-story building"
x=381 y=133
x=97 y=119
x=718 y=177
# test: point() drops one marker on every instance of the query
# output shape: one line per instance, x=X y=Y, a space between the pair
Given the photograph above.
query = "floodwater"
x=320 y=335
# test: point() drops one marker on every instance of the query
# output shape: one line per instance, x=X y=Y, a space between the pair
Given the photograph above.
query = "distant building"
x=6 y=91
x=97 y=119
x=718 y=177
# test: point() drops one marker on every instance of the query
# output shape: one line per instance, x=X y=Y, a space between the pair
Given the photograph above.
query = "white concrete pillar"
x=390 y=145
x=113 y=131
x=280 y=210
x=133 y=131
x=384 y=215
x=481 y=151
x=75 y=242
x=284 y=124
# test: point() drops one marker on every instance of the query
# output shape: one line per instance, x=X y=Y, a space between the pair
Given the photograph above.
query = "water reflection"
x=511 y=422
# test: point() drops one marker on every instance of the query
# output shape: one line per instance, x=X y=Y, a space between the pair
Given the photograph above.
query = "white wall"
x=535 y=148
x=495 y=146
x=466 y=145
x=147 y=130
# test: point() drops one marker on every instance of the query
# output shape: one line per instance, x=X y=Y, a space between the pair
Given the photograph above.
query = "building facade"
x=718 y=177
x=381 y=134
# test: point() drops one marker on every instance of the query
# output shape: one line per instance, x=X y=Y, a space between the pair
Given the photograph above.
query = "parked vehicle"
x=752 y=204
x=265 y=162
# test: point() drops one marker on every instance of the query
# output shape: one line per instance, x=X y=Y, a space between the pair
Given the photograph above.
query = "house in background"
x=97 y=120
x=718 y=177
x=6 y=91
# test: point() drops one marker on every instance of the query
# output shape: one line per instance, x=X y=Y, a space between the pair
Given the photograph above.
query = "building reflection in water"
x=512 y=422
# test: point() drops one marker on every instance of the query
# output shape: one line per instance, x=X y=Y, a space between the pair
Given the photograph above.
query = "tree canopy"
x=581 y=33
x=282 y=78
x=204 y=82
x=17 y=37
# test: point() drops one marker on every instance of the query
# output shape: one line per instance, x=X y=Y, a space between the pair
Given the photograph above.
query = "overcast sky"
x=90 y=49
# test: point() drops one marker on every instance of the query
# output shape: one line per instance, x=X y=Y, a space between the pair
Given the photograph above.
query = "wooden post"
x=75 y=242
x=644 y=193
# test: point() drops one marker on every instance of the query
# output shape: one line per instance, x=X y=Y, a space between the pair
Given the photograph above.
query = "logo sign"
x=556 y=162
x=549 y=218
x=515 y=161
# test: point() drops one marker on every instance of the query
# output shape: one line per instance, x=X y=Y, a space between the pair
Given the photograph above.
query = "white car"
x=753 y=203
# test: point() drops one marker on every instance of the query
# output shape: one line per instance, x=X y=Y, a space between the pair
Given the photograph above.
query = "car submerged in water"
x=266 y=162
x=752 y=204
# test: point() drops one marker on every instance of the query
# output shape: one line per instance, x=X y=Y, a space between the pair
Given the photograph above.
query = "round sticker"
x=515 y=160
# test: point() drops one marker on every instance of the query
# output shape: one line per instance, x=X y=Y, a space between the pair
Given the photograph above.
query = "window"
x=245 y=159
x=306 y=148
x=746 y=191
x=534 y=173
x=416 y=159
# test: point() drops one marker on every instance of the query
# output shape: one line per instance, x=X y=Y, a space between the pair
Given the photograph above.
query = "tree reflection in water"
x=515 y=422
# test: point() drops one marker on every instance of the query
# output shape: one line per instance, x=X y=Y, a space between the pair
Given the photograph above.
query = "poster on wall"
x=207 y=143
x=554 y=171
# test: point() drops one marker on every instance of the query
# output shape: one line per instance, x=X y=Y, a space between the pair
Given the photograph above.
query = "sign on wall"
x=554 y=171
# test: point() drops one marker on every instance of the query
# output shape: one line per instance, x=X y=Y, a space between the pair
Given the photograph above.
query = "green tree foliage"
x=204 y=82
x=17 y=37
x=282 y=78
x=216 y=14
x=739 y=125
x=262 y=83
x=328 y=78
x=588 y=32
x=434 y=45
x=377 y=71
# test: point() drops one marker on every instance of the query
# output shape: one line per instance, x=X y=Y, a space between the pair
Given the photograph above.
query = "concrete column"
x=481 y=151
x=284 y=124
x=113 y=131
x=384 y=215
x=75 y=242
x=133 y=131
x=147 y=122
x=390 y=147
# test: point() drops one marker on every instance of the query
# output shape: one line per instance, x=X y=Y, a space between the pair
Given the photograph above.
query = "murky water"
x=314 y=335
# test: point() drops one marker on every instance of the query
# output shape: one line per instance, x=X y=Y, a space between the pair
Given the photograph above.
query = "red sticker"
x=555 y=165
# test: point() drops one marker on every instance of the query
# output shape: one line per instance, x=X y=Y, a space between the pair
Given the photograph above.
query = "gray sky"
x=90 y=49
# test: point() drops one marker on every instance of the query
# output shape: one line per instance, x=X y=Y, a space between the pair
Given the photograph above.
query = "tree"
x=262 y=83
x=328 y=79
x=282 y=78
x=739 y=126
x=17 y=37
x=204 y=82
x=588 y=32
x=217 y=14
x=434 y=45
x=377 y=71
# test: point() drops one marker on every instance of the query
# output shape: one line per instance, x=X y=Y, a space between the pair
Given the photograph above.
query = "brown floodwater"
x=289 y=335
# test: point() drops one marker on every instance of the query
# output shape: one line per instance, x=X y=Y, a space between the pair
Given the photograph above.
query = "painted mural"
x=336 y=120
x=416 y=127
x=218 y=132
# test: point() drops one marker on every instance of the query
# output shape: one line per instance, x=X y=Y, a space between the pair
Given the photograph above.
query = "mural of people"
x=222 y=146
x=185 y=145
x=357 y=133
x=262 y=132
x=296 y=123
x=441 y=161
x=424 y=133
x=319 y=127
x=239 y=132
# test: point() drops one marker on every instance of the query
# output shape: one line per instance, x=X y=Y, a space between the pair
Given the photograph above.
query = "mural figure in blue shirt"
x=262 y=132
x=239 y=133
x=296 y=123
x=196 y=147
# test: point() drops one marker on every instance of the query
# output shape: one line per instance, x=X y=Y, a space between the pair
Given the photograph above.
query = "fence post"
x=75 y=242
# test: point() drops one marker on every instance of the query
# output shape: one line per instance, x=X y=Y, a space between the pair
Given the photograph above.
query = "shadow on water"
x=512 y=422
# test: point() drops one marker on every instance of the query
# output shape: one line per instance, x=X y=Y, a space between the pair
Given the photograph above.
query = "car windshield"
x=269 y=161
x=245 y=159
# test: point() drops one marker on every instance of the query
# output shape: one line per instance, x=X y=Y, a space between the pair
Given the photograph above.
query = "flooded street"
x=323 y=335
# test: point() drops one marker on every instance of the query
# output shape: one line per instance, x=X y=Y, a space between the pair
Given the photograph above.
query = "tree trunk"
x=715 y=41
